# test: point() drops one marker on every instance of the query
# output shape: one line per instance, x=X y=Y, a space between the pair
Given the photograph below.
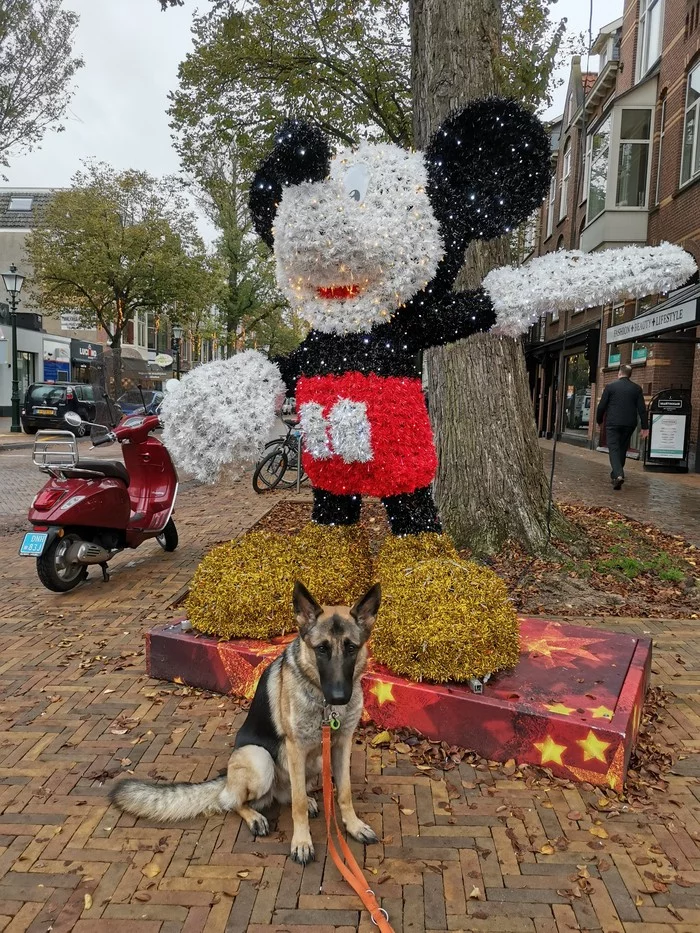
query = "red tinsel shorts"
x=365 y=434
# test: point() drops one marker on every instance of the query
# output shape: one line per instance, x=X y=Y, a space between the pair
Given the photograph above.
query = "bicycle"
x=280 y=462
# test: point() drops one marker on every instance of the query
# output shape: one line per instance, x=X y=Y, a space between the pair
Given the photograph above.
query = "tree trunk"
x=116 y=344
x=491 y=483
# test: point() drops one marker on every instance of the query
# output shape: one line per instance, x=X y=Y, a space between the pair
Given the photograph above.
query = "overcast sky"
x=131 y=51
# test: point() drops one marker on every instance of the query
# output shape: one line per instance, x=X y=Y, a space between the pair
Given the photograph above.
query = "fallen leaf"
x=599 y=831
x=150 y=870
x=475 y=893
x=547 y=849
x=402 y=748
x=574 y=815
x=142 y=896
x=382 y=738
x=638 y=901
x=118 y=731
x=87 y=900
x=242 y=874
x=407 y=812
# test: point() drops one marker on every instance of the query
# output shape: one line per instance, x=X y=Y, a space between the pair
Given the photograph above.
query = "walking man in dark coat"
x=623 y=402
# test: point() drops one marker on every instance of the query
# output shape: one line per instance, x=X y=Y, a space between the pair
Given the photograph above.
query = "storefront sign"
x=70 y=321
x=683 y=315
x=82 y=351
x=667 y=437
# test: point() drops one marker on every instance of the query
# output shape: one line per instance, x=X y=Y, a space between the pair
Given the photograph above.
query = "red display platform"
x=573 y=703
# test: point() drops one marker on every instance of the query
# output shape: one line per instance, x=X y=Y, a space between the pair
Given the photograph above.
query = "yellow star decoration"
x=550 y=751
x=593 y=747
x=383 y=692
x=561 y=709
x=601 y=712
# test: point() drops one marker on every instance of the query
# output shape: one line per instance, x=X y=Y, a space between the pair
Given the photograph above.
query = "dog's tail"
x=160 y=801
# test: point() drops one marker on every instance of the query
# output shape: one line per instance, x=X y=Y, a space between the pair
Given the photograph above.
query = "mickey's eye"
x=356 y=182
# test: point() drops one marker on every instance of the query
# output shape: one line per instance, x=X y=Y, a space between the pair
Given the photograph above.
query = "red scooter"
x=91 y=510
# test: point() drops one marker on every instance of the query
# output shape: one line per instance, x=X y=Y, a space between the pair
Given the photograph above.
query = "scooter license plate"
x=33 y=544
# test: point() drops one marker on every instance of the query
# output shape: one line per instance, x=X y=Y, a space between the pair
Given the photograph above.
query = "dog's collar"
x=330 y=718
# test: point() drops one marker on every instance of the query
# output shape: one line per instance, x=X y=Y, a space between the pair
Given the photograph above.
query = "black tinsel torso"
x=391 y=349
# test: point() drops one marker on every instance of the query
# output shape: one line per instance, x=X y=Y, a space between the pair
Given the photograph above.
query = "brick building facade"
x=626 y=170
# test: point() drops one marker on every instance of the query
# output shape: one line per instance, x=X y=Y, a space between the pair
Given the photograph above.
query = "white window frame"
x=607 y=119
x=141 y=329
x=662 y=133
x=550 y=205
x=565 y=175
x=688 y=109
x=640 y=142
x=646 y=11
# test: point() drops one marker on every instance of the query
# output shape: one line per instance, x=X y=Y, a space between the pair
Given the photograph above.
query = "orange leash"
x=348 y=868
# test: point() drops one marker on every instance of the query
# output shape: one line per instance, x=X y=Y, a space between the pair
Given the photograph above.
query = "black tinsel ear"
x=301 y=153
x=488 y=168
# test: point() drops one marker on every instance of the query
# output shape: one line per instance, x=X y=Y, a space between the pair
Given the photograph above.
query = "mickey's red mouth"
x=338 y=292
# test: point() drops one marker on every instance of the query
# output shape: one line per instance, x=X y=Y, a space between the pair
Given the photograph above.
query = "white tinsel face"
x=352 y=249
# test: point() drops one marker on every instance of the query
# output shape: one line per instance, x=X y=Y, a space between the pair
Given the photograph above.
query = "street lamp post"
x=13 y=283
x=177 y=337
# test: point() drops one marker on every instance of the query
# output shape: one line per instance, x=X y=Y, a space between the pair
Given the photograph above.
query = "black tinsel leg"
x=411 y=513
x=330 y=509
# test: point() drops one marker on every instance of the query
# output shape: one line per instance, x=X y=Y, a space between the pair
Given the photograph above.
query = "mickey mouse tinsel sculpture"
x=368 y=244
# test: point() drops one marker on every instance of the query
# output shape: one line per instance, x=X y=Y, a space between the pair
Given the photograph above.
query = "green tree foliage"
x=36 y=70
x=116 y=243
x=344 y=64
x=250 y=293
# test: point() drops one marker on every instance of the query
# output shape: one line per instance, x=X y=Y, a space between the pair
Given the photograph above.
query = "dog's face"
x=333 y=640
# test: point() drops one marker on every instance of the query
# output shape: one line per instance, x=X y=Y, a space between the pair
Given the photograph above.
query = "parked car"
x=131 y=402
x=46 y=404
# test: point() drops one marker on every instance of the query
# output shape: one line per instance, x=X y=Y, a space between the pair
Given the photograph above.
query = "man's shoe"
x=617 y=483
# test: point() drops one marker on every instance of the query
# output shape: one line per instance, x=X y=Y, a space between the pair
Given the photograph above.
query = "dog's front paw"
x=258 y=825
x=303 y=850
x=312 y=805
x=362 y=832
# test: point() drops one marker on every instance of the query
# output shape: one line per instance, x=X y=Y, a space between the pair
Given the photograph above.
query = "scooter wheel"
x=54 y=571
x=168 y=538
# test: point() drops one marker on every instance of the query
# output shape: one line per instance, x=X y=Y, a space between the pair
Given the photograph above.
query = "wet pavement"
x=670 y=501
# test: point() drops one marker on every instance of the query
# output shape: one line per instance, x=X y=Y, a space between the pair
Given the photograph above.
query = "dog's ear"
x=306 y=609
x=365 y=610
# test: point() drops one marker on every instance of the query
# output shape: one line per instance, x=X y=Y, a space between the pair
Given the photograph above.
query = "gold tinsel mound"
x=334 y=562
x=441 y=618
x=243 y=589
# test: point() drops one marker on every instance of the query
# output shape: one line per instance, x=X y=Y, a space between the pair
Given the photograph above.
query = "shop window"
x=565 y=174
x=633 y=161
x=577 y=403
x=614 y=355
x=641 y=351
x=651 y=19
x=152 y=331
x=690 y=165
x=26 y=370
x=597 y=159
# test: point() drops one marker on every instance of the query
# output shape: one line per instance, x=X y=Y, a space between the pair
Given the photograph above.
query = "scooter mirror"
x=73 y=419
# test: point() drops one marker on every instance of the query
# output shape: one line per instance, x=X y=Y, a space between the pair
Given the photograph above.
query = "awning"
x=678 y=313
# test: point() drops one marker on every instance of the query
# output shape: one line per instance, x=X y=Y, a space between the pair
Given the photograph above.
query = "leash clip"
x=330 y=718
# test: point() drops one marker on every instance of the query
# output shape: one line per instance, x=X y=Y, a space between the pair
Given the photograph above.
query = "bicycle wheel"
x=270 y=470
x=289 y=477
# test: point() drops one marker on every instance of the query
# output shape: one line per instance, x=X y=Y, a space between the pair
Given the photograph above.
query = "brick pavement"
x=669 y=500
x=473 y=849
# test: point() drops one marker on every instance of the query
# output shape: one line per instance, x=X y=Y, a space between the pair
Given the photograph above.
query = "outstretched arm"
x=457 y=315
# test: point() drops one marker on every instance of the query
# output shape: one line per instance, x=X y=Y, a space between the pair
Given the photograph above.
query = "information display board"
x=669 y=431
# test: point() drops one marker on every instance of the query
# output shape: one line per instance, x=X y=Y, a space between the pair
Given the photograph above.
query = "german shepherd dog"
x=277 y=752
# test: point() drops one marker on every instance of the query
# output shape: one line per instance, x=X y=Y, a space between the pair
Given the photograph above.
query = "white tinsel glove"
x=221 y=414
x=570 y=280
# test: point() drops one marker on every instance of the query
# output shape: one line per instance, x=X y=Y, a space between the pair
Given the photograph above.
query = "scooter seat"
x=112 y=468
